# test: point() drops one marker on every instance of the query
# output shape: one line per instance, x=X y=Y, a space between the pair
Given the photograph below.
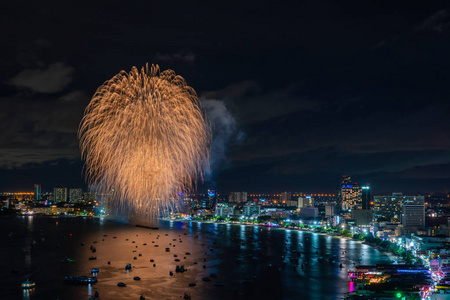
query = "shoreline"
x=391 y=256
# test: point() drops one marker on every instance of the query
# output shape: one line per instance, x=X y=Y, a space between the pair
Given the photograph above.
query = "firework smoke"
x=144 y=138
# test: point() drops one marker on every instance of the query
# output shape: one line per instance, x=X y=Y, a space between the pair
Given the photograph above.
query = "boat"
x=136 y=278
x=95 y=270
x=121 y=284
x=171 y=273
x=28 y=284
x=80 y=279
x=128 y=267
x=191 y=284
x=147 y=227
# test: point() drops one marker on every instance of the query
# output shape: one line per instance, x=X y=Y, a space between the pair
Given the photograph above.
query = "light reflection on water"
x=262 y=256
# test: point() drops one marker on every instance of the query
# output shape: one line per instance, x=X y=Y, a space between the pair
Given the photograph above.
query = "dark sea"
x=241 y=262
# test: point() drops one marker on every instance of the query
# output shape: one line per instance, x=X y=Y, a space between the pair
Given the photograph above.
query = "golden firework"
x=144 y=138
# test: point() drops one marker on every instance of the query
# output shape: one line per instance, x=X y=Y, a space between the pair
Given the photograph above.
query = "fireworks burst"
x=144 y=138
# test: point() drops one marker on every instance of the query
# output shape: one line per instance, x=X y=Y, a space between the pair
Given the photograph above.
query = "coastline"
x=392 y=257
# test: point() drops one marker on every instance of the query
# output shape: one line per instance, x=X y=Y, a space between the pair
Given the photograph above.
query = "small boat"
x=128 y=267
x=80 y=279
x=95 y=270
x=171 y=273
x=28 y=284
x=136 y=278
x=192 y=284
x=176 y=259
x=152 y=260
x=187 y=253
x=121 y=284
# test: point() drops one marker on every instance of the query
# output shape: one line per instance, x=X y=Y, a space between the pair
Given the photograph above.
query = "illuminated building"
x=356 y=196
x=285 y=197
x=345 y=194
x=60 y=195
x=37 y=192
x=224 y=211
x=252 y=210
x=237 y=197
x=389 y=208
x=212 y=198
x=75 y=195
x=307 y=201
x=350 y=196
x=330 y=210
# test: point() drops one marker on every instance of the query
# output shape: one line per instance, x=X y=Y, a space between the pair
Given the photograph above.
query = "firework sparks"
x=144 y=138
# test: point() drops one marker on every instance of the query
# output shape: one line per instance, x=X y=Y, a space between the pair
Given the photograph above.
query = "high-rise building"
x=75 y=195
x=252 y=210
x=389 y=208
x=307 y=201
x=365 y=197
x=345 y=193
x=350 y=196
x=212 y=198
x=413 y=217
x=285 y=197
x=237 y=197
x=330 y=210
x=224 y=210
x=37 y=192
x=356 y=196
x=60 y=194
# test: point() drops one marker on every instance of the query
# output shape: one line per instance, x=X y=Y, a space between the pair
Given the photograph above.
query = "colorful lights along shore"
x=144 y=138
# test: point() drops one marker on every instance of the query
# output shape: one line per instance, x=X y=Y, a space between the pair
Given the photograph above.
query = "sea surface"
x=249 y=262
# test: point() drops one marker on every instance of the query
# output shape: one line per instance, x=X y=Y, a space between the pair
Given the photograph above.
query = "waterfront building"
x=252 y=210
x=37 y=192
x=389 y=208
x=224 y=210
x=75 y=195
x=237 y=197
x=60 y=195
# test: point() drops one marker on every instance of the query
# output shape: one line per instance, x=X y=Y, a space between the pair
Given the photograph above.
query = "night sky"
x=299 y=92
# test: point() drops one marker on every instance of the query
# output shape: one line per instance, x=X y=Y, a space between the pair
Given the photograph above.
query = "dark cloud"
x=438 y=22
x=51 y=79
